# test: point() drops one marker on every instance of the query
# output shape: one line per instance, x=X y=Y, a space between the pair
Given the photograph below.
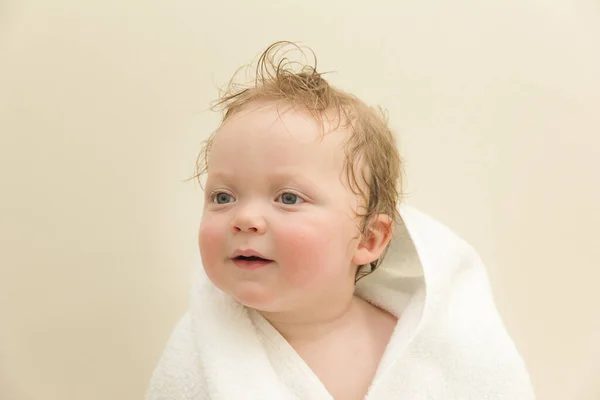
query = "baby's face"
x=275 y=191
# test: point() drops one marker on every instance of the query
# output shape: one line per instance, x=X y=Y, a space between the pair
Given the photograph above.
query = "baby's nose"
x=249 y=222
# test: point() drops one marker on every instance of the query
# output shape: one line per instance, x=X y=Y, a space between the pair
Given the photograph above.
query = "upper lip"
x=247 y=253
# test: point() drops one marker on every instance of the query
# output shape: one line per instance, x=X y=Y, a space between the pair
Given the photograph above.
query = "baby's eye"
x=290 y=198
x=222 y=198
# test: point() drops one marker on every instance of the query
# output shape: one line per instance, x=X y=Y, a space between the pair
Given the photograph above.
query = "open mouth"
x=251 y=258
x=251 y=262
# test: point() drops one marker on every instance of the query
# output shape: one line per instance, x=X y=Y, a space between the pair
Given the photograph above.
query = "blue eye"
x=222 y=198
x=290 y=198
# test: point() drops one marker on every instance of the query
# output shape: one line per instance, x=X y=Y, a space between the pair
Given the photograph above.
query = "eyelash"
x=213 y=197
x=292 y=193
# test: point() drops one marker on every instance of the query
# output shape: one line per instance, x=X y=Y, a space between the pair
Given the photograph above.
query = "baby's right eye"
x=222 y=198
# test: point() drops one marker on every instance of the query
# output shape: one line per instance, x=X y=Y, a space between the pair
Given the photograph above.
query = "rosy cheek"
x=211 y=238
x=305 y=252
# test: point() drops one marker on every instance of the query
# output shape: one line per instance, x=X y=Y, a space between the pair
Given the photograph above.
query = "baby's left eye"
x=289 y=198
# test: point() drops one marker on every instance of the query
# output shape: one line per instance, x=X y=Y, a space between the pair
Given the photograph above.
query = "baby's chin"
x=254 y=295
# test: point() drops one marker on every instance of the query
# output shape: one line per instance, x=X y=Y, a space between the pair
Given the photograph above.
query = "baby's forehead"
x=282 y=128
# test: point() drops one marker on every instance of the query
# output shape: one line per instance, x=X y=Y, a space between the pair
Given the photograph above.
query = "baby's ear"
x=374 y=240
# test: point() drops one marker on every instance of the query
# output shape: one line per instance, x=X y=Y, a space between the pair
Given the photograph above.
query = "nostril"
x=237 y=228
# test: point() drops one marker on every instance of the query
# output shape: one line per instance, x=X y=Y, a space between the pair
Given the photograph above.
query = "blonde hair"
x=370 y=144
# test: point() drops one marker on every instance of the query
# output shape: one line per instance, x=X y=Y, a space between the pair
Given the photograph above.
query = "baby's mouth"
x=251 y=262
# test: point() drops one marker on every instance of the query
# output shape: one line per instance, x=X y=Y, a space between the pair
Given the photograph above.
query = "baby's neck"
x=303 y=327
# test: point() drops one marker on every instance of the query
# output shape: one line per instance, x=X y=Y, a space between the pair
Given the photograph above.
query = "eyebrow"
x=289 y=176
x=281 y=176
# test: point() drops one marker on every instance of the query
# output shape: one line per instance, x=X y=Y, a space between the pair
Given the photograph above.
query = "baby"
x=301 y=203
x=301 y=193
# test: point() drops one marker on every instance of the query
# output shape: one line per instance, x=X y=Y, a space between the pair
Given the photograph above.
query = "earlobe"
x=375 y=240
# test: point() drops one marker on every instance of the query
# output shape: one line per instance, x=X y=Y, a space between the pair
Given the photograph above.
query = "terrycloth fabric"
x=449 y=343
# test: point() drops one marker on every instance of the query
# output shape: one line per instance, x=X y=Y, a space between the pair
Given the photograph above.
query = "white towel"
x=449 y=343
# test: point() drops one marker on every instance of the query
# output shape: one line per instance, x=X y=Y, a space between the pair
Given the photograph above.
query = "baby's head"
x=302 y=187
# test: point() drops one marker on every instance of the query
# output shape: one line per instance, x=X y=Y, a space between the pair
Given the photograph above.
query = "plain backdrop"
x=103 y=107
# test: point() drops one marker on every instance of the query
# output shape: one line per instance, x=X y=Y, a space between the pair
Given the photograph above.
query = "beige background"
x=102 y=111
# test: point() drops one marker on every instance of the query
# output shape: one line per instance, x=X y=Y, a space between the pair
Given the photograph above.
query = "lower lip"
x=245 y=264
